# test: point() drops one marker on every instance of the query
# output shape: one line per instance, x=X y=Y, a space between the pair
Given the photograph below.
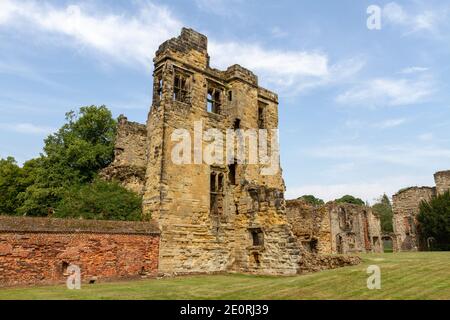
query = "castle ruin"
x=225 y=217
x=406 y=207
x=335 y=228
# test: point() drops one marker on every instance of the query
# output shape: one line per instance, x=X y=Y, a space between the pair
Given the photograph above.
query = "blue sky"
x=361 y=111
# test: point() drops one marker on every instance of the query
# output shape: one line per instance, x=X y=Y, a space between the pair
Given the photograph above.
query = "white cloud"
x=277 y=62
x=427 y=20
x=411 y=70
x=426 y=137
x=390 y=123
x=133 y=39
x=385 y=124
x=26 y=128
x=129 y=39
x=388 y=92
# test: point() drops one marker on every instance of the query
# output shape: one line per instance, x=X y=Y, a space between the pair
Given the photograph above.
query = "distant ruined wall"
x=130 y=156
x=310 y=225
x=354 y=229
x=442 y=180
x=335 y=228
x=39 y=250
x=406 y=206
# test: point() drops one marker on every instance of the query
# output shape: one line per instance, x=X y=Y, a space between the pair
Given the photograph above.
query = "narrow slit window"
x=232 y=174
x=261 y=116
x=237 y=124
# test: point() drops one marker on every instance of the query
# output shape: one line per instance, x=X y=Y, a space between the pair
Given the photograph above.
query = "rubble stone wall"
x=406 y=206
x=442 y=180
x=310 y=225
x=354 y=229
x=130 y=156
x=335 y=228
x=198 y=236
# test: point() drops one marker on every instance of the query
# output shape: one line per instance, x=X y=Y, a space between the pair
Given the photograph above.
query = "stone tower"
x=220 y=217
x=442 y=180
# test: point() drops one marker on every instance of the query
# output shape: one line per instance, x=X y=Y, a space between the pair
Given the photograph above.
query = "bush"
x=351 y=200
x=434 y=221
x=100 y=200
x=312 y=200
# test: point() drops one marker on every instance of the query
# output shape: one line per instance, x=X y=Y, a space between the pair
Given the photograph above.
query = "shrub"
x=100 y=200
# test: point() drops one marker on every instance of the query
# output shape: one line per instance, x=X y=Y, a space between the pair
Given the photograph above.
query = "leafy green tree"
x=10 y=186
x=100 y=200
x=383 y=208
x=312 y=200
x=72 y=156
x=434 y=221
x=350 y=199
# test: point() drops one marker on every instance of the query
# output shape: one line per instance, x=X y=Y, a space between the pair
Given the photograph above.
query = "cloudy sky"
x=361 y=111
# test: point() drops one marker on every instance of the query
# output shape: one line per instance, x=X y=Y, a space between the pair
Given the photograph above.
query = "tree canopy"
x=383 y=208
x=434 y=221
x=350 y=199
x=312 y=200
x=70 y=161
x=99 y=200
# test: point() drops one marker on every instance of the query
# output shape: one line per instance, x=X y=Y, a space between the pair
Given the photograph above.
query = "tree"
x=383 y=208
x=312 y=200
x=10 y=186
x=434 y=221
x=350 y=199
x=72 y=156
x=100 y=200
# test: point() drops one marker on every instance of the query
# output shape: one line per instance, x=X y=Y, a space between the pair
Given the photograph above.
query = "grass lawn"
x=423 y=275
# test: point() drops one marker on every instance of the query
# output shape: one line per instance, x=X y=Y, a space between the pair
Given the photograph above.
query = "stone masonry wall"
x=310 y=225
x=354 y=229
x=130 y=156
x=335 y=228
x=198 y=236
x=38 y=250
x=405 y=206
x=442 y=180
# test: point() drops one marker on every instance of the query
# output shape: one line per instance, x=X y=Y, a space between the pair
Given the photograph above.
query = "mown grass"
x=422 y=275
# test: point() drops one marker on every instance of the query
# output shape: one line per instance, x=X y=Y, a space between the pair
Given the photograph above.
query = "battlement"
x=189 y=39
x=238 y=72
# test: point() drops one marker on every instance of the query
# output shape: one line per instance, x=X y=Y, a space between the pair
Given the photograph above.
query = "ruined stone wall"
x=130 y=156
x=442 y=180
x=310 y=225
x=197 y=237
x=406 y=206
x=39 y=250
x=354 y=229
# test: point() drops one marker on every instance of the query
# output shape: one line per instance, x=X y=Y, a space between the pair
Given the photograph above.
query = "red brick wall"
x=38 y=258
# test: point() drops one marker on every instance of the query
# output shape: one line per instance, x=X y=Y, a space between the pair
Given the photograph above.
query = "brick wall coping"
x=9 y=224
